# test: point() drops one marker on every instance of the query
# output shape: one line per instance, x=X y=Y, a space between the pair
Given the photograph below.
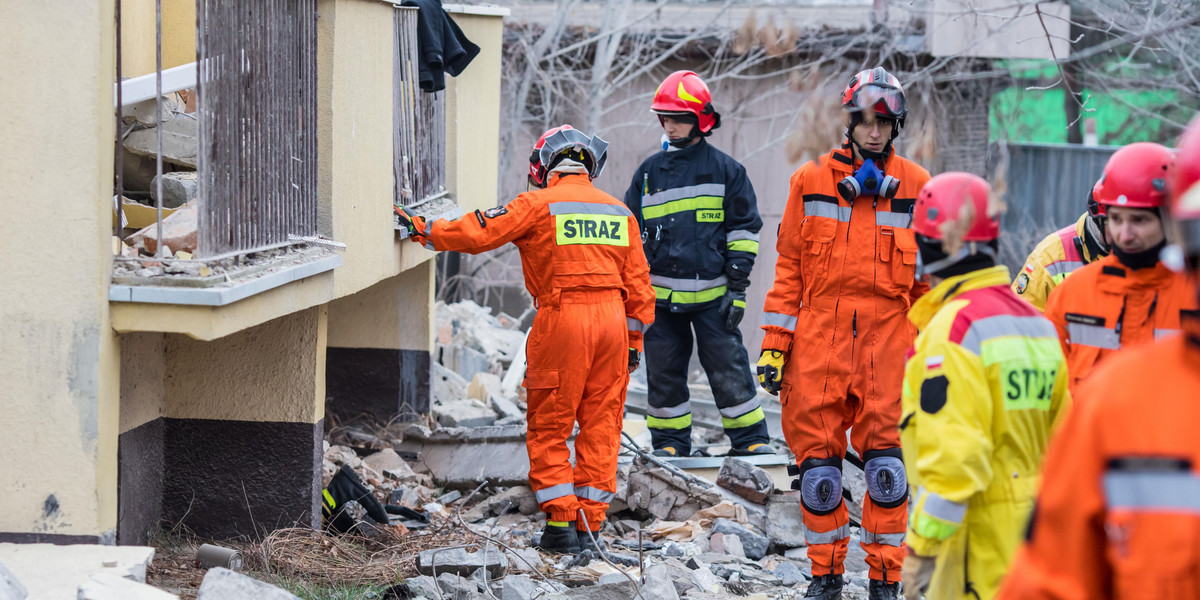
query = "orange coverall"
x=844 y=282
x=1118 y=516
x=582 y=258
x=1105 y=306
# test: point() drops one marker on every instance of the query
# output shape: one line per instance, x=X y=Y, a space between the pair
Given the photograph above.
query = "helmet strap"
x=1093 y=236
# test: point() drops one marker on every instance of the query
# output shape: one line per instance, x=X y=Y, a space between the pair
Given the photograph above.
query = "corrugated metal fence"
x=1048 y=186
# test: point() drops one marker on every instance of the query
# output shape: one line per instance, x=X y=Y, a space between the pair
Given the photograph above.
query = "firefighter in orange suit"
x=1118 y=515
x=584 y=266
x=1129 y=297
x=837 y=332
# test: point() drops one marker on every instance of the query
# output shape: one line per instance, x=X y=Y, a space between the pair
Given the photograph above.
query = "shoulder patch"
x=495 y=211
x=1022 y=283
x=933 y=394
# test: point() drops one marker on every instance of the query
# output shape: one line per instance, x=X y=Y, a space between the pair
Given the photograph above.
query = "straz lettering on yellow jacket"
x=1027 y=389
x=608 y=230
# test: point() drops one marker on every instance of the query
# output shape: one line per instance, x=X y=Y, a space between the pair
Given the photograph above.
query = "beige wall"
x=57 y=354
x=473 y=116
x=137 y=35
x=143 y=378
x=394 y=314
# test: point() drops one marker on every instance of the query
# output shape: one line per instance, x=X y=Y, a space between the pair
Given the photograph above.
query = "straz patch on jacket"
x=608 y=230
x=710 y=216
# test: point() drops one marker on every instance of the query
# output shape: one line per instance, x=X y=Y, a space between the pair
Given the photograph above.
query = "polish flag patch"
x=1028 y=269
x=933 y=362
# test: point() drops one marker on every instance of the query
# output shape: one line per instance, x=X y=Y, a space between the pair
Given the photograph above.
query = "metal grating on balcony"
x=257 y=110
x=420 y=122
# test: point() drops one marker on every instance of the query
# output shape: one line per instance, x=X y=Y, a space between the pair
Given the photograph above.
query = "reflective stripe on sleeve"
x=941 y=508
x=1063 y=267
x=787 y=322
x=634 y=325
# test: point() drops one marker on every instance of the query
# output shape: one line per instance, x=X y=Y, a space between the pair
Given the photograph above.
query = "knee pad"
x=887 y=481
x=820 y=484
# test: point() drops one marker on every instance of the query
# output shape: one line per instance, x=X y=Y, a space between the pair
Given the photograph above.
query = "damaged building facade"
x=133 y=401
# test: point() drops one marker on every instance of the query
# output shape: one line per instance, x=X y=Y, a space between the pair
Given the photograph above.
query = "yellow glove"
x=770 y=370
x=916 y=575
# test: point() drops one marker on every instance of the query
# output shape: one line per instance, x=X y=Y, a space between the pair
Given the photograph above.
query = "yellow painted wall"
x=473 y=116
x=137 y=35
x=394 y=314
x=143 y=378
x=57 y=354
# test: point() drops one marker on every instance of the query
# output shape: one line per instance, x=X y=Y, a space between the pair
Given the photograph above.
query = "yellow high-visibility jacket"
x=984 y=387
x=1055 y=257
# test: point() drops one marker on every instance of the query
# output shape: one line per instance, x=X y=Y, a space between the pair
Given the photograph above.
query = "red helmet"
x=943 y=200
x=685 y=92
x=562 y=142
x=878 y=90
x=1185 y=189
x=1135 y=176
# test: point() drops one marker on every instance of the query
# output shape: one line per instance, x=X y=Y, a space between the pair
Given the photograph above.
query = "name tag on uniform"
x=608 y=230
x=710 y=216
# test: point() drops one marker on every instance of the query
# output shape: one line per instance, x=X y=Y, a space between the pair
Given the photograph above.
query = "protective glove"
x=770 y=370
x=916 y=574
x=413 y=225
x=635 y=359
x=733 y=308
x=343 y=488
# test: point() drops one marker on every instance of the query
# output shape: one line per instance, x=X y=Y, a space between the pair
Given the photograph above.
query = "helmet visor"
x=885 y=101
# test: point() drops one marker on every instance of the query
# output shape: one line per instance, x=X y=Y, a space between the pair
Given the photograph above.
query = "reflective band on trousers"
x=753 y=417
x=592 y=493
x=828 y=537
x=941 y=508
x=738 y=410
x=554 y=491
x=886 y=539
x=673 y=423
x=787 y=322
x=1063 y=267
x=634 y=324
x=1153 y=491
x=1094 y=336
x=589 y=208
x=669 y=412
x=989 y=328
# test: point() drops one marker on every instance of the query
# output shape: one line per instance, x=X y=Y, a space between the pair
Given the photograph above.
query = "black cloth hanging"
x=441 y=45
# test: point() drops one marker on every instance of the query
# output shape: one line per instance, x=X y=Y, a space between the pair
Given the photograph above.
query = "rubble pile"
x=474 y=350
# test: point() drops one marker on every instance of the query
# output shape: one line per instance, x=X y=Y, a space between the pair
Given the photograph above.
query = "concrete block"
x=424 y=587
x=754 y=543
x=455 y=587
x=706 y=580
x=658 y=584
x=523 y=587
x=464 y=361
x=110 y=586
x=785 y=521
x=179 y=188
x=789 y=574
x=52 y=571
x=144 y=112
x=11 y=587
x=180 y=144
x=461 y=458
x=389 y=463
x=518 y=498
x=745 y=480
x=178 y=232
x=460 y=562
x=463 y=412
x=223 y=584
x=610 y=591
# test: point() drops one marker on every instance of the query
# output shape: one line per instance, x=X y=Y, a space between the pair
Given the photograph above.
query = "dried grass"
x=308 y=555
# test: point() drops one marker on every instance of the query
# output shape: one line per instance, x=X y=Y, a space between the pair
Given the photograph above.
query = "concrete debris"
x=423 y=586
x=343 y=455
x=179 y=141
x=11 y=587
x=465 y=361
x=489 y=389
x=523 y=587
x=388 y=463
x=144 y=113
x=109 y=586
x=518 y=498
x=461 y=458
x=705 y=580
x=179 y=188
x=726 y=544
x=622 y=590
x=455 y=587
x=754 y=543
x=659 y=584
x=745 y=480
x=178 y=232
x=463 y=412
x=788 y=573
x=223 y=584
x=461 y=562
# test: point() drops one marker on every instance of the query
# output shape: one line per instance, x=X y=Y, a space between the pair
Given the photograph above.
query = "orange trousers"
x=578 y=357
x=848 y=378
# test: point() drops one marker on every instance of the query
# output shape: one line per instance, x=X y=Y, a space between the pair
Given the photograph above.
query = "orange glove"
x=414 y=225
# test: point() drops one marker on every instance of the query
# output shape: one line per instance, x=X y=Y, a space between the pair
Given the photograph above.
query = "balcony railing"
x=420 y=124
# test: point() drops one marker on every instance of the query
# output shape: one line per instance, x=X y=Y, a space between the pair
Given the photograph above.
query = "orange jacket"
x=843 y=259
x=1104 y=307
x=1118 y=516
x=570 y=235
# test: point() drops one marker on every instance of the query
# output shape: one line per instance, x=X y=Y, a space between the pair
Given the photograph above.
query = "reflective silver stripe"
x=691 y=191
x=738 y=410
x=634 y=324
x=687 y=285
x=592 y=493
x=669 y=412
x=1164 y=333
x=816 y=208
x=1063 y=267
x=787 y=322
x=554 y=491
x=429 y=245
x=1153 y=491
x=828 y=537
x=941 y=508
x=886 y=539
x=589 y=208
x=740 y=234
x=1006 y=325
x=429 y=227
x=1095 y=336
x=892 y=219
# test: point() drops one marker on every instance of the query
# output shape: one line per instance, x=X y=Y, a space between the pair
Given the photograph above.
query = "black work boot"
x=559 y=538
x=756 y=449
x=825 y=587
x=878 y=590
x=586 y=543
x=666 y=451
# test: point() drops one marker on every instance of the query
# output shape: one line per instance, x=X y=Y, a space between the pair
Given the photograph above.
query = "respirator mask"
x=868 y=180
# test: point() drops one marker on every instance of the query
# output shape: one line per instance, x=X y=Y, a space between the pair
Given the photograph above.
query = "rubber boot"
x=559 y=537
x=825 y=587
x=878 y=590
